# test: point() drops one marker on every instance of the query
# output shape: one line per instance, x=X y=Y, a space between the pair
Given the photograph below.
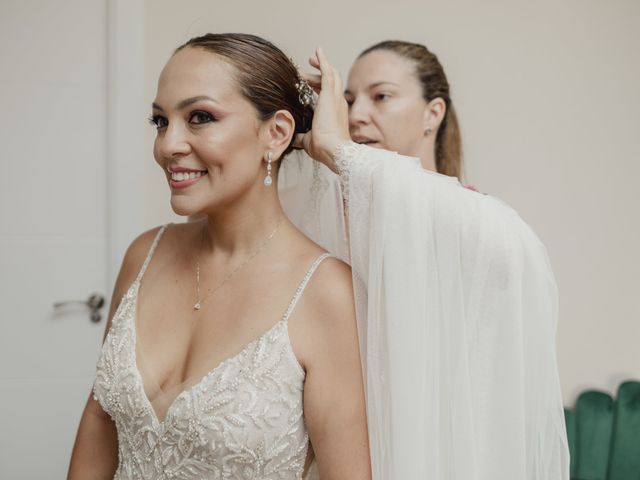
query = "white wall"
x=548 y=98
x=53 y=233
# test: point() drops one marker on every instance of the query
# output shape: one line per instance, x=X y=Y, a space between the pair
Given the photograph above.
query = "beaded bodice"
x=242 y=420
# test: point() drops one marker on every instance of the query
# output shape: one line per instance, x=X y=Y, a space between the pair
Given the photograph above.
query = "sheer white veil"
x=311 y=196
x=457 y=311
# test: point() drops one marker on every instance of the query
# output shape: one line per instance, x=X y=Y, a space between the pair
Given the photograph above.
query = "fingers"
x=339 y=88
x=329 y=77
x=314 y=81
x=323 y=62
x=313 y=61
x=325 y=67
x=299 y=140
x=310 y=77
x=329 y=72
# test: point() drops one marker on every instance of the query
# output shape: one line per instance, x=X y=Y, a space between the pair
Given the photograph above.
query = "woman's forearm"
x=95 y=452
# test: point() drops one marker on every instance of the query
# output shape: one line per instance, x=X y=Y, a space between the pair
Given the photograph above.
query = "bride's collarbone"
x=179 y=343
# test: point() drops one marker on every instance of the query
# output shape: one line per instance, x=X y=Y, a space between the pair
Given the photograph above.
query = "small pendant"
x=267 y=180
x=197 y=306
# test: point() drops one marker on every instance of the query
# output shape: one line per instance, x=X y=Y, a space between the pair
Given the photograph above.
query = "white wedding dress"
x=457 y=312
x=243 y=420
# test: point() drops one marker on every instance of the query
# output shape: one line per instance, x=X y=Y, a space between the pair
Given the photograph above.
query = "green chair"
x=604 y=434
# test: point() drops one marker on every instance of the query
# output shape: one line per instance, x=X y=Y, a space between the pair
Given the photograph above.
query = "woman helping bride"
x=456 y=300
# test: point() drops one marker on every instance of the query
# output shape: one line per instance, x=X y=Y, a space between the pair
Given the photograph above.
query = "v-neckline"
x=219 y=366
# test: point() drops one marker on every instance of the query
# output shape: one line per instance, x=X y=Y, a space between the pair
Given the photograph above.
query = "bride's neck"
x=237 y=230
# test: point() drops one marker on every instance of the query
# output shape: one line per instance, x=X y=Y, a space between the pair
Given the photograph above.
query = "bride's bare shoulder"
x=137 y=252
x=139 y=248
x=174 y=234
x=328 y=300
x=325 y=328
x=332 y=283
x=131 y=264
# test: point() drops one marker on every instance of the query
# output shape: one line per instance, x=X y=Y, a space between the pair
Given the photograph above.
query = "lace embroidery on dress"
x=243 y=420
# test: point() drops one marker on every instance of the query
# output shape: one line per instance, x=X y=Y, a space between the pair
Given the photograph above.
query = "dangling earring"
x=428 y=131
x=268 y=180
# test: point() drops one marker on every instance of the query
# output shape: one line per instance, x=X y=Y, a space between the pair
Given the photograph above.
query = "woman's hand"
x=331 y=117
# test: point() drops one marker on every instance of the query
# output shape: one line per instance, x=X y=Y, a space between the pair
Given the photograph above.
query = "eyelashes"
x=202 y=117
x=158 y=121
x=197 y=117
x=377 y=98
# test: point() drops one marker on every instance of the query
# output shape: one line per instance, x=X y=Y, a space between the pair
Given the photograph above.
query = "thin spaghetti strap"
x=303 y=285
x=150 y=254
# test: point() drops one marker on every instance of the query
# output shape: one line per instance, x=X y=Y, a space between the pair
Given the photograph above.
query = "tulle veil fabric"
x=457 y=312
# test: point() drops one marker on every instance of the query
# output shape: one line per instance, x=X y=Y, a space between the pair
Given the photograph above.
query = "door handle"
x=95 y=302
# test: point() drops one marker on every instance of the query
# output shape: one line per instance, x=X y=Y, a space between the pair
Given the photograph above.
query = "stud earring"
x=428 y=131
x=268 y=180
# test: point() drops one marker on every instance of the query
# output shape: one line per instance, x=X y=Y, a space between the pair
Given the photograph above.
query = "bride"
x=456 y=301
x=198 y=379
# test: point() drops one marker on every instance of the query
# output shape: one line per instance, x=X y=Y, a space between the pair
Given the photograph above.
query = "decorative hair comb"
x=305 y=93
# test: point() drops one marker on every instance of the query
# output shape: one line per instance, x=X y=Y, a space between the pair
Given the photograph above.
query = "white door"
x=56 y=223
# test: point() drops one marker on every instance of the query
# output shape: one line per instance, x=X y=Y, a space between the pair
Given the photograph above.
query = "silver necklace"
x=200 y=301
